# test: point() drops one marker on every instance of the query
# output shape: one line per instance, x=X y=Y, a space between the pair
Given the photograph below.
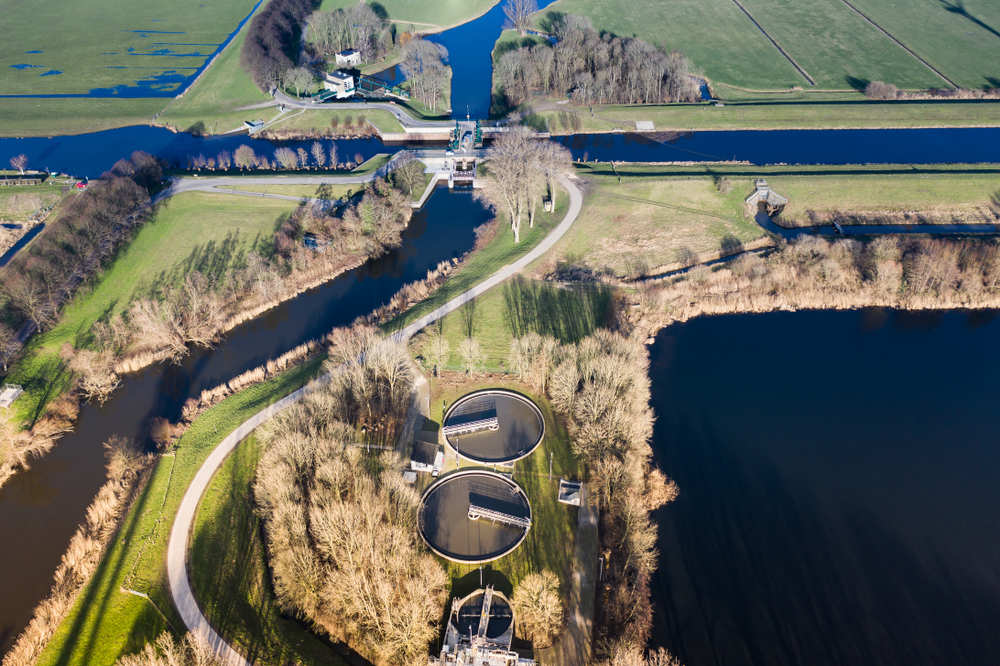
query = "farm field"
x=148 y=48
x=425 y=15
x=17 y=203
x=715 y=34
x=961 y=38
x=837 y=47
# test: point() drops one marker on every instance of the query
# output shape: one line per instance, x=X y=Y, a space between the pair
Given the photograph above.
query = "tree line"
x=356 y=27
x=339 y=521
x=424 y=67
x=594 y=68
x=519 y=172
x=601 y=387
x=268 y=50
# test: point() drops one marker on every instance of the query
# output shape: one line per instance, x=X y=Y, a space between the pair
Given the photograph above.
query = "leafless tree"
x=224 y=160
x=408 y=175
x=518 y=13
x=286 y=157
x=423 y=65
x=9 y=345
x=192 y=650
x=19 y=162
x=437 y=349
x=299 y=78
x=472 y=355
x=244 y=157
x=303 y=156
x=881 y=91
x=538 y=607
x=95 y=374
x=355 y=27
x=319 y=154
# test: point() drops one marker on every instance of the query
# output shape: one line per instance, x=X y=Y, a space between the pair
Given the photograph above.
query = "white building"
x=341 y=83
x=348 y=58
x=479 y=633
x=427 y=457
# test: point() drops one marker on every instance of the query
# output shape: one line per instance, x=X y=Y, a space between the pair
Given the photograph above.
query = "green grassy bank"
x=105 y=623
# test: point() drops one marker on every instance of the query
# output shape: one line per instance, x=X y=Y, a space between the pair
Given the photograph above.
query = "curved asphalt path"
x=180 y=533
x=404 y=118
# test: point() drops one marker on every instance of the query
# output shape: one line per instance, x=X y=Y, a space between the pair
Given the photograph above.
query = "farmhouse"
x=341 y=83
x=348 y=58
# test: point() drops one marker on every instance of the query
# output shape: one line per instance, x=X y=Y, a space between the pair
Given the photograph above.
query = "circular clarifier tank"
x=493 y=427
x=474 y=516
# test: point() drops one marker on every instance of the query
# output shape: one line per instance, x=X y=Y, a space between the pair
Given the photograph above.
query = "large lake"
x=839 y=486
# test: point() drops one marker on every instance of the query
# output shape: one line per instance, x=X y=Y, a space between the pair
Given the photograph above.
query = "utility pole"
x=550 y=465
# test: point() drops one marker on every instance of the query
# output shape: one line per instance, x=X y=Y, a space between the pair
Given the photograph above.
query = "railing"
x=472 y=426
x=477 y=512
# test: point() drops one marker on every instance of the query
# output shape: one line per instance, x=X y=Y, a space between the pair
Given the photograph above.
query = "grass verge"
x=105 y=623
x=234 y=589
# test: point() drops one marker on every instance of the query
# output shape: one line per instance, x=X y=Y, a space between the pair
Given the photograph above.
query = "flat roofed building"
x=348 y=58
x=341 y=83
x=427 y=457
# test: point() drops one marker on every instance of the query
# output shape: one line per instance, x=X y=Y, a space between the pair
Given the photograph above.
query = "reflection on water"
x=838 y=494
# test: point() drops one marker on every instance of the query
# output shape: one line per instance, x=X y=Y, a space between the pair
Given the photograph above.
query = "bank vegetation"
x=815 y=273
x=340 y=523
x=601 y=388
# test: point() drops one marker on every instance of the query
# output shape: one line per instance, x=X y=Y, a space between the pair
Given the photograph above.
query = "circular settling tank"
x=474 y=516
x=494 y=426
x=470 y=614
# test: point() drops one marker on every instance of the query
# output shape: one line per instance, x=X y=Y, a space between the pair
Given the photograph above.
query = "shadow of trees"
x=958 y=7
x=566 y=312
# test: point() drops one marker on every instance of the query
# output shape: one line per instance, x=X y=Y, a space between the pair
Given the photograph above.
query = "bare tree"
x=299 y=78
x=224 y=160
x=192 y=650
x=286 y=157
x=95 y=372
x=437 y=349
x=9 y=345
x=423 y=65
x=303 y=156
x=19 y=162
x=881 y=91
x=538 y=607
x=319 y=154
x=244 y=157
x=408 y=175
x=518 y=13
x=473 y=356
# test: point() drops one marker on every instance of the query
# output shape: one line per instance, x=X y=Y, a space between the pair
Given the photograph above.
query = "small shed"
x=427 y=457
x=254 y=126
x=10 y=394
x=348 y=58
x=570 y=492
x=340 y=83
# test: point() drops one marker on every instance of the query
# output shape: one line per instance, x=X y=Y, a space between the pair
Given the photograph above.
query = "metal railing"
x=477 y=512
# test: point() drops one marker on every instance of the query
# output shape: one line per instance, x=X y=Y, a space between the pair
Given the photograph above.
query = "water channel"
x=839 y=502
x=821 y=520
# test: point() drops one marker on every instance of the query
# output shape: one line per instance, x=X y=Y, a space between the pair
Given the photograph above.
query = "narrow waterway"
x=839 y=498
x=41 y=508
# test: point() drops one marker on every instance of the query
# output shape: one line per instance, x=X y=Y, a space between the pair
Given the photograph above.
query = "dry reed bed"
x=17 y=446
x=813 y=273
x=84 y=553
x=988 y=214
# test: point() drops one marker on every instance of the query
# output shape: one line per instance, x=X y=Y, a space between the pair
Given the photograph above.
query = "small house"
x=340 y=83
x=348 y=58
x=427 y=457
x=10 y=394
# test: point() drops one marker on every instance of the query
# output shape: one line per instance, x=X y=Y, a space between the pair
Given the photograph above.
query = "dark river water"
x=839 y=486
x=44 y=506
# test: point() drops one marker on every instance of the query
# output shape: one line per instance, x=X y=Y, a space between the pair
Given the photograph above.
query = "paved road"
x=177 y=547
x=404 y=118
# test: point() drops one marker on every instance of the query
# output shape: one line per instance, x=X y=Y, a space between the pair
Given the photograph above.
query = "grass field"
x=192 y=231
x=105 y=45
x=106 y=624
x=235 y=592
x=832 y=42
x=787 y=111
x=519 y=306
x=551 y=541
x=17 y=203
x=304 y=191
x=47 y=117
x=638 y=225
x=502 y=251
x=425 y=15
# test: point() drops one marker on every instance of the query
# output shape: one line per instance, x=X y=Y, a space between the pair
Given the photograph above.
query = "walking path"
x=177 y=547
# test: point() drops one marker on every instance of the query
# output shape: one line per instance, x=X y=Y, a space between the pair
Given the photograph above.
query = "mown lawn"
x=517 y=307
x=192 y=231
x=229 y=573
x=105 y=623
x=551 y=542
x=45 y=116
x=487 y=261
